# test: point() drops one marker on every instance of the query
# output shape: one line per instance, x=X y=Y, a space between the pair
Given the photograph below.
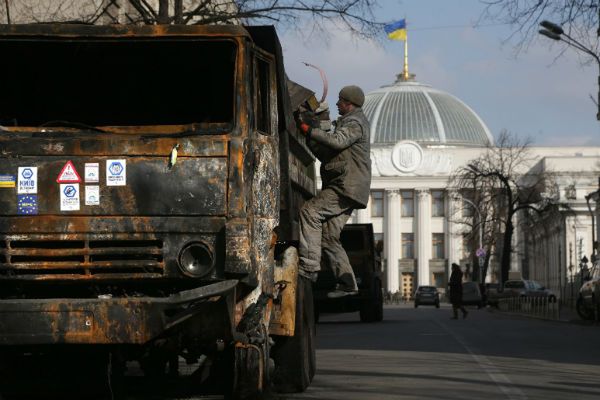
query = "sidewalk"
x=565 y=314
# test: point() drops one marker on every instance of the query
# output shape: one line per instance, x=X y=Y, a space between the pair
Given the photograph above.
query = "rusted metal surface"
x=194 y=186
x=283 y=317
x=110 y=273
x=102 y=321
x=131 y=31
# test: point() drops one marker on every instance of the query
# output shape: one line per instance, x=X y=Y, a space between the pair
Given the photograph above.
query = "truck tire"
x=371 y=309
x=295 y=358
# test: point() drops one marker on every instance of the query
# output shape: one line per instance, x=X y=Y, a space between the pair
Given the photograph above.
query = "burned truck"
x=150 y=182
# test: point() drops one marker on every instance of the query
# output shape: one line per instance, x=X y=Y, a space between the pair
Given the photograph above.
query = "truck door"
x=264 y=204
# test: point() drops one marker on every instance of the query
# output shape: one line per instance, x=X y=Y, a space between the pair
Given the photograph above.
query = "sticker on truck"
x=68 y=174
x=92 y=172
x=27 y=204
x=7 y=181
x=27 y=180
x=92 y=195
x=69 y=197
x=116 y=172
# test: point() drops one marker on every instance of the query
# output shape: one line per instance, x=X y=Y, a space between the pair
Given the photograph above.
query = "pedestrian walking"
x=344 y=153
x=455 y=286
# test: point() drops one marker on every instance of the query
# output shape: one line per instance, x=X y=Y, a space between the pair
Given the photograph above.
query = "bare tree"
x=476 y=215
x=506 y=184
x=579 y=18
x=356 y=16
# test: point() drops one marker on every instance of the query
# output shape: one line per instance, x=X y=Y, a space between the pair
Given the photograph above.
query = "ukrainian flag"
x=396 y=30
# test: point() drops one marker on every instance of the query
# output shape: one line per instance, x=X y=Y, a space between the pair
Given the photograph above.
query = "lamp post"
x=556 y=32
x=480 y=251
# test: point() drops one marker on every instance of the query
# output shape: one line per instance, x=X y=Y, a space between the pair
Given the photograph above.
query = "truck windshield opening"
x=116 y=82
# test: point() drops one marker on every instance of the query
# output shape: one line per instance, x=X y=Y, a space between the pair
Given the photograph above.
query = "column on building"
x=515 y=257
x=454 y=241
x=424 y=236
x=362 y=214
x=392 y=238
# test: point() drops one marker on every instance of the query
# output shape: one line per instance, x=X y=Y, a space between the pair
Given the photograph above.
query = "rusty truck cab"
x=139 y=181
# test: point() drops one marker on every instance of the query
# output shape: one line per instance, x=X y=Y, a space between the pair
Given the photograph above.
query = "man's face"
x=344 y=106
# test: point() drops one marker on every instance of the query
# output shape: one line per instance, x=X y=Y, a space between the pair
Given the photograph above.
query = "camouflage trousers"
x=321 y=221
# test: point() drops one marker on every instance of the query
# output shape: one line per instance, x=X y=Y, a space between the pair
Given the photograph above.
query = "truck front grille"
x=80 y=256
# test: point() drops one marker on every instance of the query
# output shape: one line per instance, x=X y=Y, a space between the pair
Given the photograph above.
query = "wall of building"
x=542 y=260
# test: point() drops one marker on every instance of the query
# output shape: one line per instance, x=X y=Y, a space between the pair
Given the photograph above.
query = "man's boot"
x=455 y=313
x=342 y=291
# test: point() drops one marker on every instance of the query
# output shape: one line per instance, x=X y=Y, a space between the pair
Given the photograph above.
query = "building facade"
x=420 y=136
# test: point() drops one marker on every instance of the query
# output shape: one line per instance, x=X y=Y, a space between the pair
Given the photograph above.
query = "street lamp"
x=480 y=251
x=556 y=32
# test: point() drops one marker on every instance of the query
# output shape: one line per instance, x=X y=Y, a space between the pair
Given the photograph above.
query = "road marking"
x=502 y=381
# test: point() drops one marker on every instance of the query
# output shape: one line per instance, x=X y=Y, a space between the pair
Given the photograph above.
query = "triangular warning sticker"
x=68 y=174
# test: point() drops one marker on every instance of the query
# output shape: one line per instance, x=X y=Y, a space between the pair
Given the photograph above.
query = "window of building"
x=377 y=203
x=437 y=203
x=438 y=251
x=408 y=245
x=408 y=203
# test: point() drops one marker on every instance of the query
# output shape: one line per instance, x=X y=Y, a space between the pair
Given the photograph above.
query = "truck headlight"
x=196 y=259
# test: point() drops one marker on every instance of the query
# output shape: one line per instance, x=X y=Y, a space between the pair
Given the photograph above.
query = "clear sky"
x=533 y=94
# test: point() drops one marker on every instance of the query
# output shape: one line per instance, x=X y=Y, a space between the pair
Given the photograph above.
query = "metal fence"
x=539 y=307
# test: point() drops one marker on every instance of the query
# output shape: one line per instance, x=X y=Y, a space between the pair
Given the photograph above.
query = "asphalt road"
x=422 y=354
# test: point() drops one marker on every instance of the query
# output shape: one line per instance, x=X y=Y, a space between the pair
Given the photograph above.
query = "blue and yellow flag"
x=396 y=30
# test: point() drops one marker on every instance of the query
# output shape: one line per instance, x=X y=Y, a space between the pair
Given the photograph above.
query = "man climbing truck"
x=150 y=182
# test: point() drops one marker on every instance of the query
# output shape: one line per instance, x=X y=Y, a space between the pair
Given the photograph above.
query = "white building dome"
x=409 y=110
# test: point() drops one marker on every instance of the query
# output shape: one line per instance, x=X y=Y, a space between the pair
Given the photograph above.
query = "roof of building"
x=409 y=110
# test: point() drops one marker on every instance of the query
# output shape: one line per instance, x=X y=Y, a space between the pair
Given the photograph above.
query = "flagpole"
x=405 y=70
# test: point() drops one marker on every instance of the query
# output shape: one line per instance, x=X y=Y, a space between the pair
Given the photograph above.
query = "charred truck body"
x=150 y=181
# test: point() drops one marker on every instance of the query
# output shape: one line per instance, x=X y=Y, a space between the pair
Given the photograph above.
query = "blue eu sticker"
x=27 y=204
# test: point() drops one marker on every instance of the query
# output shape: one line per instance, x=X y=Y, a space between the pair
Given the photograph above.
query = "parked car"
x=588 y=301
x=427 y=295
x=471 y=294
x=520 y=288
x=489 y=291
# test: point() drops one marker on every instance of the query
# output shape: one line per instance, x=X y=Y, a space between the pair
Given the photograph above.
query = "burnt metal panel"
x=126 y=31
x=109 y=225
x=292 y=144
x=193 y=186
x=107 y=321
x=61 y=142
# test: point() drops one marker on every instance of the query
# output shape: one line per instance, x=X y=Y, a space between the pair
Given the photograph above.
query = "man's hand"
x=307 y=121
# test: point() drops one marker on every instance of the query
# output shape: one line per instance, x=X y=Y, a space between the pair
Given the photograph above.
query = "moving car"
x=427 y=295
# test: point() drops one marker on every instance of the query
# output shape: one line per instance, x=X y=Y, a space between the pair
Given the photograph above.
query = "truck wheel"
x=251 y=374
x=371 y=309
x=295 y=358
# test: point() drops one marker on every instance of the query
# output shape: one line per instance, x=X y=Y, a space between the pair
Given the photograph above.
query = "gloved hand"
x=306 y=122
x=323 y=107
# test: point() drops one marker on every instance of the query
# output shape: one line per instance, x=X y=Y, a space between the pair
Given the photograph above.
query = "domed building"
x=414 y=111
x=420 y=135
